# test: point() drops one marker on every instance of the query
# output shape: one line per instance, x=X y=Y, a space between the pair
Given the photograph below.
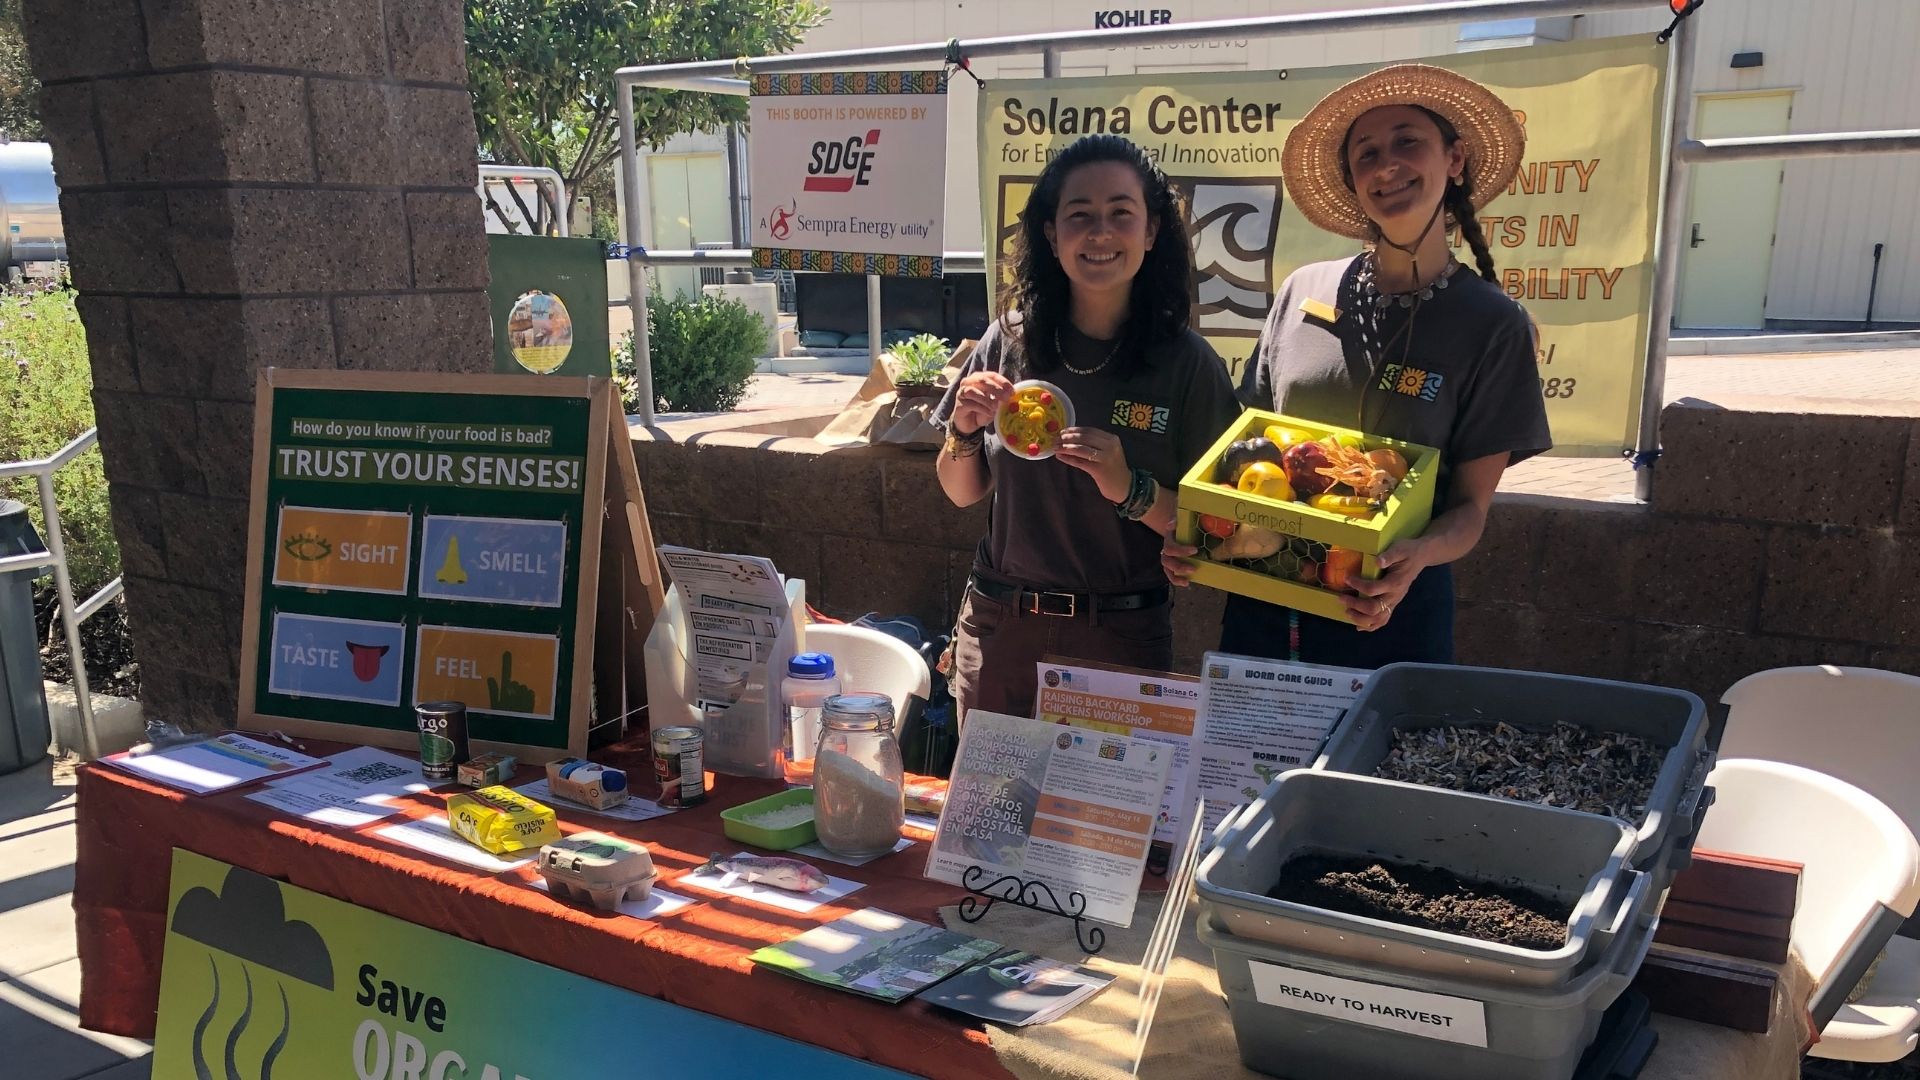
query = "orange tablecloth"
x=695 y=957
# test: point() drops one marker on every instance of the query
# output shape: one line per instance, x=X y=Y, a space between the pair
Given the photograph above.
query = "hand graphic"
x=506 y=695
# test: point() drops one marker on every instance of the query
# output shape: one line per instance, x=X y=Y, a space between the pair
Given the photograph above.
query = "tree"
x=541 y=72
x=19 y=90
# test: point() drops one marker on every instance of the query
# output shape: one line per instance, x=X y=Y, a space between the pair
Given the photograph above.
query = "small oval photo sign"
x=540 y=332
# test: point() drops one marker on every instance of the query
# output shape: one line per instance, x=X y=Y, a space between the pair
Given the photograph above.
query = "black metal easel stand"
x=1033 y=894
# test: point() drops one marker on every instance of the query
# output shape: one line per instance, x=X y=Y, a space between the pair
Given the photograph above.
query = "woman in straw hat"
x=1400 y=341
x=1070 y=564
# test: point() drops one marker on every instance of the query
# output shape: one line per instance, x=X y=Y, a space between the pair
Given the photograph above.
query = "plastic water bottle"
x=809 y=683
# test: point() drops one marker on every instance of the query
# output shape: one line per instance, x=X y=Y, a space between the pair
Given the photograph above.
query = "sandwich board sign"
x=421 y=538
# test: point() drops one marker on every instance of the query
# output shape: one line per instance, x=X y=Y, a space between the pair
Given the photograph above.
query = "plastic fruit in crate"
x=1301 y=542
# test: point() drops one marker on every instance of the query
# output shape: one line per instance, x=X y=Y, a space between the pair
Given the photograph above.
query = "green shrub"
x=46 y=400
x=703 y=349
x=922 y=358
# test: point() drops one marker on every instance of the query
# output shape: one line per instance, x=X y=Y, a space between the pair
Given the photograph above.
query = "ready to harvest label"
x=491 y=670
x=355 y=550
x=1413 y=1012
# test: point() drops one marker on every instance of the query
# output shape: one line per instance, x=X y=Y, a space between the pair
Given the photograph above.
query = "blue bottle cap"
x=811 y=665
x=613 y=780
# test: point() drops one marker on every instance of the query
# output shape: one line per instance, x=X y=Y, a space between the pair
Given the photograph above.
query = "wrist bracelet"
x=1141 y=494
x=965 y=444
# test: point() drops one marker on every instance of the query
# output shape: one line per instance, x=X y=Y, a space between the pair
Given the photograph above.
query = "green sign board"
x=549 y=302
x=262 y=980
x=424 y=538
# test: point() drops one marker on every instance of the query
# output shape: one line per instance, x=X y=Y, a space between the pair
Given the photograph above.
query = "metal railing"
x=71 y=616
x=536 y=175
x=722 y=77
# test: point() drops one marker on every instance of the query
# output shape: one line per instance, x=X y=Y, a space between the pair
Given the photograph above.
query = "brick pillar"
x=248 y=184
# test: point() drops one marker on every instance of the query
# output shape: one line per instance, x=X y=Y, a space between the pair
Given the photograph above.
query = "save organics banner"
x=846 y=171
x=265 y=981
x=1572 y=235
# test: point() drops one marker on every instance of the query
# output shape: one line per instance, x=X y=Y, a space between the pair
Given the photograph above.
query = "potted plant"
x=917 y=365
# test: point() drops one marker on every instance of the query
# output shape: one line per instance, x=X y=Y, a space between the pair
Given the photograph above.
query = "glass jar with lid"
x=859 y=780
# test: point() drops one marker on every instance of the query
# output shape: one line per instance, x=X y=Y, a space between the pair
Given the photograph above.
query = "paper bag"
x=880 y=414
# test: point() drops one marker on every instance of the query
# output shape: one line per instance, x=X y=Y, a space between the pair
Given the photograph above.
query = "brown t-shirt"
x=1463 y=378
x=1051 y=527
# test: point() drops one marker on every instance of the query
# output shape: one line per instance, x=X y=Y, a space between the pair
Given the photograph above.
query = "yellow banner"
x=1573 y=234
x=492 y=671
x=355 y=550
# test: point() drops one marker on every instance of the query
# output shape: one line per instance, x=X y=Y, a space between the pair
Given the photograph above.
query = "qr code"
x=375 y=772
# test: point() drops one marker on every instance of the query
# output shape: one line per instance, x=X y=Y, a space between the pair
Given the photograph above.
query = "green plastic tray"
x=736 y=821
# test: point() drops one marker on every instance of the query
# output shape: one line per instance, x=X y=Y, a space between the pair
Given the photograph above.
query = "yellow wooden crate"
x=1407 y=512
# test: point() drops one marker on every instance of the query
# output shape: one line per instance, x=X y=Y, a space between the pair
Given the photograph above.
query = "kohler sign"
x=1113 y=20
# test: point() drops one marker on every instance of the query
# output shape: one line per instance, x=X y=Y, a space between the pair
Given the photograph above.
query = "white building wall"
x=1848 y=61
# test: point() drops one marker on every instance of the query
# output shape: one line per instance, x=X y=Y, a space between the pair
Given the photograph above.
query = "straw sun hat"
x=1310 y=163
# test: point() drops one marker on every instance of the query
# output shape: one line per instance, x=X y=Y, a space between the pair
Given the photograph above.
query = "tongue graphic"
x=366 y=660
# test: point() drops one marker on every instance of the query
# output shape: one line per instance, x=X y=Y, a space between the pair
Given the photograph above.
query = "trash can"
x=24 y=728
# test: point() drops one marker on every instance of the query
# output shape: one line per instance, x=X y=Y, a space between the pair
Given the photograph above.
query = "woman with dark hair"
x=1399 y=341
x=1098 y=307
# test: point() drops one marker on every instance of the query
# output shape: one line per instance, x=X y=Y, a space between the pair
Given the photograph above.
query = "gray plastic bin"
x=1429 y=695
x=25 y=731
x=1527 y=1034
x=1578 y=859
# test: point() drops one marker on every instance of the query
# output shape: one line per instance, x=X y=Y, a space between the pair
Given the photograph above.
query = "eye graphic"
x=308 y=546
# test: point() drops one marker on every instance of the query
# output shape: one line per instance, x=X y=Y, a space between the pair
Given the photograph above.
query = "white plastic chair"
x=868 y=661
x=1861 y=879
x=1858 y=724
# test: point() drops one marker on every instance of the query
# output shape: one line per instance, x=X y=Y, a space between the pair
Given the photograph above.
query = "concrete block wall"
x=1773 y=539
x=246 y=185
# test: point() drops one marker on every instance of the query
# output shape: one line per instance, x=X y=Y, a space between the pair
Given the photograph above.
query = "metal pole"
x=1050 y=62
x=1666 y=262
x=1804 y=145
x=636 y=271
x=724 y=72
x=873 y=318
x=76 y=659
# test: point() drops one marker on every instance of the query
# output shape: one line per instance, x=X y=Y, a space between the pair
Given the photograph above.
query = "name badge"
x=1321 y=312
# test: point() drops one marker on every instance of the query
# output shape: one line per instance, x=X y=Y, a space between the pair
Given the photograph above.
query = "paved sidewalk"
x=40 y=1036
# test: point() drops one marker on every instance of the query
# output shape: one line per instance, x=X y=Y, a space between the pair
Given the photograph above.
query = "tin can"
x=679 y=764
x=443 y=738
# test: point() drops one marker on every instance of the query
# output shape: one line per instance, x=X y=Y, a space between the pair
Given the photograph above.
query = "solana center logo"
x=841 y=166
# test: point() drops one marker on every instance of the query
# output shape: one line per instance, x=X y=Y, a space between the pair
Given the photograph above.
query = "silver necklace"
x=1370 y=284
x=1064 y=362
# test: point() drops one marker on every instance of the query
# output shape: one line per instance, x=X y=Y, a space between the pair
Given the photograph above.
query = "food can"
x=443 y=738
x=678 y=763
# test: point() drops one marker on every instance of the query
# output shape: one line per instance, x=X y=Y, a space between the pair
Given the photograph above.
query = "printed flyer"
x=1155 y=706
x=1071 y=808
x=1263 y=717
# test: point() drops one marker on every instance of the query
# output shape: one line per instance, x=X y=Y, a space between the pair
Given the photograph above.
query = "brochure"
x=204 y=766
x=356 y=787
x=1068 y=808
x=1156 y=706
x=1018 y=988
x=1261 y=718
x=876 y=954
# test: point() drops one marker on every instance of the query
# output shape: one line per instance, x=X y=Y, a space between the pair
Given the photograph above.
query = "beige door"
x=1726 y=253
x=689 y=195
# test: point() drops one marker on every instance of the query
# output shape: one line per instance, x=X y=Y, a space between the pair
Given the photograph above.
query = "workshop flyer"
x=1155 y=706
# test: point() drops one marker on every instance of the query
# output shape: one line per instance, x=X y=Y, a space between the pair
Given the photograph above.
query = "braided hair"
x=1459 y=205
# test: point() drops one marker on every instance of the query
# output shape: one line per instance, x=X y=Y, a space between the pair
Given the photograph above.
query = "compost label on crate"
x=1412 y=1012
x=429 y=538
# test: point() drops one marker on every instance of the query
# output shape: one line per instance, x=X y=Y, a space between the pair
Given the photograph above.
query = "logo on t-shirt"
x=1139 y=417
x=1411 y=381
